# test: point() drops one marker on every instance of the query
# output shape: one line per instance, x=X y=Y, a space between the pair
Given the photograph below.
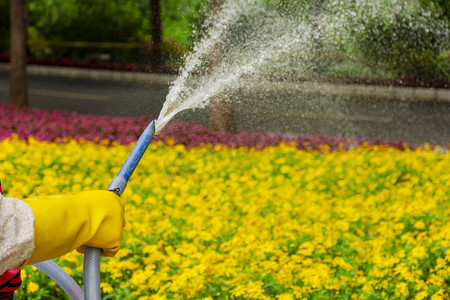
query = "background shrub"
x=409 y=42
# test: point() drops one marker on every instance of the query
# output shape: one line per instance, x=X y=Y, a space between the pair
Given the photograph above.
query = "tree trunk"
x=221 y=107
x=18 y=89
x=28 y=50
x=155 y=20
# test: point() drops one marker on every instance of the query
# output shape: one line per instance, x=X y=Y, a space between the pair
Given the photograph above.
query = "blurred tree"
x=403 y=44
x=18 y=86
x=183 y=20
x=4 y=26
x=221 y=112
x=157 y=53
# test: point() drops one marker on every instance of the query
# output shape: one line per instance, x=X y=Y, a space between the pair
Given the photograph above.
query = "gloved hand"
x=67 y=222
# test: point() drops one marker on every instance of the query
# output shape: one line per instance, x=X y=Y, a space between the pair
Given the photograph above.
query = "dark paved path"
x=88 y=96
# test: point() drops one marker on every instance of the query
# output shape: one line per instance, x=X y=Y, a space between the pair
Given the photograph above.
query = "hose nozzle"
x=119 y=183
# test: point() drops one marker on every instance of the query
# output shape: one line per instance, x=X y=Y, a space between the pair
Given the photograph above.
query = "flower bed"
x=57 y=126
x=220 y=216
x=237 y=223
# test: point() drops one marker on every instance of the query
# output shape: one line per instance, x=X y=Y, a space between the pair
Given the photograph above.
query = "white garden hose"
x=63 y=279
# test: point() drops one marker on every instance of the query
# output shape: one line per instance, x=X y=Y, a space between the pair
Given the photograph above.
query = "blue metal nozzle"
x=119 y=182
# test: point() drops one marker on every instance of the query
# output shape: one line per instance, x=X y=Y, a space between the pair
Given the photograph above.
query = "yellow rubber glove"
x=67 y=222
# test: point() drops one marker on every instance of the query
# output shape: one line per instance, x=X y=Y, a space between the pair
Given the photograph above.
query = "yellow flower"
x=32 y=287
x=106 y=287
x=285 y=297
x=238 y=291
x=421 y=295
x=419 y=225
x=401 y=289
x=68 y=270
x=438 y=295
x=418 y=252
x=158 y=297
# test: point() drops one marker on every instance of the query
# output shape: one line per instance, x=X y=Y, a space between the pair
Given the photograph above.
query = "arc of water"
x=183 y=96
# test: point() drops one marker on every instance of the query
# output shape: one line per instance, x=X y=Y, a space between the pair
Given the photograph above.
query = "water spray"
x=91 y=266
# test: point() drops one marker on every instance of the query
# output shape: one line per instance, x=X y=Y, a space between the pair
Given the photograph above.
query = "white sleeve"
x=16 y=233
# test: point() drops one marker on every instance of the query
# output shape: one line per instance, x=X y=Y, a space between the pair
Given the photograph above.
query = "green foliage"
x=443 y=5
x=85 y=20
x=183 y=19
x=106 y=21
x=113 y=21
x=408 y=43
x=412 y=41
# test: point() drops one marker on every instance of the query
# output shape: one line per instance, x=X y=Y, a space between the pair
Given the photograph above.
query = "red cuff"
x=9 y=282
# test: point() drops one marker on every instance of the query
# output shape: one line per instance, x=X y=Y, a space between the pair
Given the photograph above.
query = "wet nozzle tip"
x=151 y=128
